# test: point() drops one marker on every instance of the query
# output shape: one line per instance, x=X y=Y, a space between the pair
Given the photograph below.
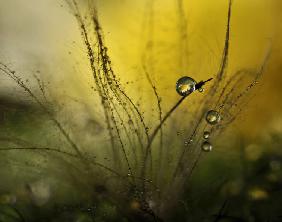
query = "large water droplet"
x=206 y=135
x=185 y=86
x=206 y=146
x=213 y=117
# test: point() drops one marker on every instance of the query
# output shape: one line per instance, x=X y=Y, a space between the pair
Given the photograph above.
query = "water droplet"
x=185 y=86
x=201 y=90
x=206 y=146
x=213 y=117
x=206 y=135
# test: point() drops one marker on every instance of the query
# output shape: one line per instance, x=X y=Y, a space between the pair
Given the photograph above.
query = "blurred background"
x=172 y=38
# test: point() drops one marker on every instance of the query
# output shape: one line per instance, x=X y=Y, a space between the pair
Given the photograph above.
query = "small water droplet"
x=213 y=117
x=206 y=135
x=201 y=90
x=206 y=146
x=185 y=86
x=188 y=142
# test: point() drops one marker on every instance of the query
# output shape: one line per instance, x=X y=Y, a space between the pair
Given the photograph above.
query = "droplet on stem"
x=206 y=146
x=201 y=90
x=206 y=135
x=185 y=86
x=213 y=117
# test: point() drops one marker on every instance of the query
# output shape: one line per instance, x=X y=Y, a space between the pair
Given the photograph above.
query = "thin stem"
x=12 y=75
x=160 y=119
x=61 y=152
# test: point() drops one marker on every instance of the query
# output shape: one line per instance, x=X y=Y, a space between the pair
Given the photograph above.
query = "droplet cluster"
x=212 y=118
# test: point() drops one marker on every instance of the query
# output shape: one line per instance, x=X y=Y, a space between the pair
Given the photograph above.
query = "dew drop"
x=206 y=146
x=201 y=90
x=188 y=142
x=213 y=117
x=206 y=135
x=185 y=86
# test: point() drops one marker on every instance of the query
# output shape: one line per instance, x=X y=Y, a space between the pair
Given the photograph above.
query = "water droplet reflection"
x=206 y=135
x=206 y=146
x=213 y=117
x=185 y=86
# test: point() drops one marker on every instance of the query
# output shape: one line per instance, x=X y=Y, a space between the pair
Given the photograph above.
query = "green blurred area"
x=245 y=177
